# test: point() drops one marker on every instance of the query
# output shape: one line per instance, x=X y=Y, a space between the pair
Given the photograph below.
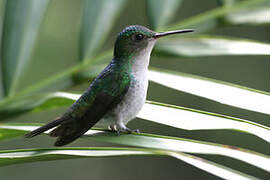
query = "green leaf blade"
x=21 y=27
x=213 y=168
x=186 y=146
x=212 y=15
x=2 y=17
x=167 y=143
x=161 y=12
x=97 y=21
x=191 y=119
x=225 y=93
x=170 y=115
x=36 y=155
x=197 y=46
x=258 y=14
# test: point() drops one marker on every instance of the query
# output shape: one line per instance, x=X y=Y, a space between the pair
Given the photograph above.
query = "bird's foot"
x=121 y=128
x=127 y=130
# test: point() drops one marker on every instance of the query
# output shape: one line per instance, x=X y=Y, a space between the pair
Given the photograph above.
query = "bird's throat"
x=140 y=61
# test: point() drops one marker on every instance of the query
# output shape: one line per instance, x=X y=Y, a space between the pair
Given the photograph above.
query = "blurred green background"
x=57 y=44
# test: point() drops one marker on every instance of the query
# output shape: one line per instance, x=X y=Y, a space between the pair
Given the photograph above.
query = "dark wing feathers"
x=46 y=127
x=70 y=130
x=89 y=109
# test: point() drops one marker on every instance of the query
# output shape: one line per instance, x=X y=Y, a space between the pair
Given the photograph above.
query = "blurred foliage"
x=50 y=45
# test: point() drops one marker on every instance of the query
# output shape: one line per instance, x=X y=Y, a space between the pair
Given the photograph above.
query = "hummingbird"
x=116 y=95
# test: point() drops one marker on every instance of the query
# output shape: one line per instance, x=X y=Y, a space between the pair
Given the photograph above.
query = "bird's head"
x=135 y=39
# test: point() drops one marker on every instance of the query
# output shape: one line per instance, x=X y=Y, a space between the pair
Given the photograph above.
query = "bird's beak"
x=162 y=34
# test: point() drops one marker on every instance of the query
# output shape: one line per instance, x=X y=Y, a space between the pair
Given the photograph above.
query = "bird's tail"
x=44 y=128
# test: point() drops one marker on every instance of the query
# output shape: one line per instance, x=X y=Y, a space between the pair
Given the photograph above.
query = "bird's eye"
x=138 y=37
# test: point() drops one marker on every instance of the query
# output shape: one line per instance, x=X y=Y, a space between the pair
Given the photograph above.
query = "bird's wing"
x=86 y=114
x=104 y=94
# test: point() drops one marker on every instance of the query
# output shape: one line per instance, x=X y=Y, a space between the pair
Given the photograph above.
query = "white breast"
x=135 y=98
x=136 y=95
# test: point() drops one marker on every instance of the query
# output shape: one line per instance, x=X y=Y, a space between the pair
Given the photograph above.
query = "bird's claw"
x=119 y=129
x=132 y=130
x=135 y=131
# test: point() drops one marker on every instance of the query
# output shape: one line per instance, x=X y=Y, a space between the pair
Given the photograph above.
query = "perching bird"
x=117 y=94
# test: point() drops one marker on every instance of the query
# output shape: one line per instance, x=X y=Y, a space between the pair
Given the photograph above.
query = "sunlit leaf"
x=210 y=46
x=10 y=157
x=213 y=168
x=161 y=12
x=21 y=26
x=168 y=143
x=222 y=92
x=255 y=15
x=6 y=134
x=191 y=119
x=37 y=103
x=97 y=21
x=170 y=115
x=212 y=15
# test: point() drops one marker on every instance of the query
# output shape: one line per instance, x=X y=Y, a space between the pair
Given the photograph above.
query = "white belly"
x=130 y=106
x=133 y=101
